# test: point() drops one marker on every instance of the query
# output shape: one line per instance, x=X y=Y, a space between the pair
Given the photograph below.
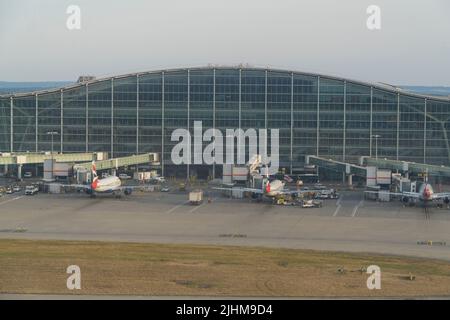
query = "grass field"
x=156 y=269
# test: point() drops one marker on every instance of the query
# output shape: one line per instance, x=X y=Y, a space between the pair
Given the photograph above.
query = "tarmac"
x=349 y=224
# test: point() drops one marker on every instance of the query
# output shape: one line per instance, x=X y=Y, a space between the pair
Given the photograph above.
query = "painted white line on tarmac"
x=195 y=208
x=16 y=198
x=337 y=210
x=176 y=207
x=355 y=209
x=338 y=204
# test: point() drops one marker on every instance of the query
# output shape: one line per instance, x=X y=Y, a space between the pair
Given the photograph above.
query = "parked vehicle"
x=9 y=190
x=196 y=197
x=17 y=188
x=124 y=176
x=159 y=179
x=165 y=189
x=312 y=204
x=31 y=190
x=27 y=174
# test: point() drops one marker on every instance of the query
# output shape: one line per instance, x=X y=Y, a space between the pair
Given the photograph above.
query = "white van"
x=31 y=190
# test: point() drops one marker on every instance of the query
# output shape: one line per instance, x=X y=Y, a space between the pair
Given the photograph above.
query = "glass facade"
x=319 y=115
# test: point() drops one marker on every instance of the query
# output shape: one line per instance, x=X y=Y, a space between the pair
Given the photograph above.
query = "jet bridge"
x=348 y=169
x=83 y=160
x=406 y=166
x=146 y=158
x=36 y=158
x=19 y=159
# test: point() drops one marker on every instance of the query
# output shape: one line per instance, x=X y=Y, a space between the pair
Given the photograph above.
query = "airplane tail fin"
x=94 y=176
x=94 y=169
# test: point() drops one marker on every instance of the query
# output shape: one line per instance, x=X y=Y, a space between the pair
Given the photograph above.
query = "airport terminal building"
x=316 y=114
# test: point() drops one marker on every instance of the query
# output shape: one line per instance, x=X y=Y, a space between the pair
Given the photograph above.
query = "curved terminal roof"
x=384 y=87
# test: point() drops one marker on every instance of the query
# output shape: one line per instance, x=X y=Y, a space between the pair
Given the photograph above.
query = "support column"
x=62 y=122
x=87 y=117
x=345 y=121
x=162 y=124
x=318 y=116
x=265 y=113
x=371 y=122
x=240 y=98
x=19 y=171
x=398 y=123
x=292 y=120
x=112 y=117
x=36 y=122
x=214 y=120
x=137 y=113
x=11 y=124
x=425 y=133
x=189 y=119
x=265 y=102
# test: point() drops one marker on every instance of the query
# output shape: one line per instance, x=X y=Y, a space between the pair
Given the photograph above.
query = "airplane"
x=109 y=185
x=425 y=195
x=270 y=189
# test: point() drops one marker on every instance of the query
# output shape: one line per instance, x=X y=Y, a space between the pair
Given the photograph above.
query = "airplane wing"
x=259 y=191
x=287 y=191
x=405 y=194
x=88 y=186
x=133 y=187
x=81 y=186
x=441 y=195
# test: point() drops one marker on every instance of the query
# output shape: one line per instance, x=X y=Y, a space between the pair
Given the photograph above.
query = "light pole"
x=52 y=133
x=376 y=136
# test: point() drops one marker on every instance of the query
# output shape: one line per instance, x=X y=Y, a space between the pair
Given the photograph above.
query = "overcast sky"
x=324 y=36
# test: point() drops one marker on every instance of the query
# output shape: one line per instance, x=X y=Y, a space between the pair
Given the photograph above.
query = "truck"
x=196 y=197
x=31 y=190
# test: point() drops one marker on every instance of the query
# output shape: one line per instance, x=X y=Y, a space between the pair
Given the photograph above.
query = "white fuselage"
x=109 y=184
x=273 y=188
x=426 y=192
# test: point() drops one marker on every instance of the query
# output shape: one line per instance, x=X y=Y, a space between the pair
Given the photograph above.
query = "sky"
x=321 y=36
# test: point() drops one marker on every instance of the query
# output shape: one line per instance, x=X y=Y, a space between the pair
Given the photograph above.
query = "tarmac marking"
x=196 y=207
x=16 y=198
x=355 y=209
x=176 y=207
x=337 y=210
x=338 y=204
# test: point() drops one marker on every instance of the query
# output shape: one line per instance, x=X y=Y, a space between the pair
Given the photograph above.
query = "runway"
x=348 y=224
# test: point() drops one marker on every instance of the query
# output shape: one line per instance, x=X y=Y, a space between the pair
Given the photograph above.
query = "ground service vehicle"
x=196 y=197
x=31 y=190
